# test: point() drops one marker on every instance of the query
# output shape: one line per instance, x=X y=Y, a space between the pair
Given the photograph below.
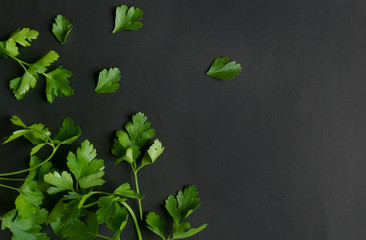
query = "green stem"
x=5 y=186
x=32 y=168
x=12 y=179
x=133 y=218
x=138 y=191
x=90 y=204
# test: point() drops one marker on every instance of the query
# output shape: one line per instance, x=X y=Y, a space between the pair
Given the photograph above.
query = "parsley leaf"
x=127 y=18
x=179 y=208
x=222 y=69
x=156 y=224
x=118 y=221
x=22 y=85
x=60 y=183
x=108 y=81
x=25 y=228
x=155 y=150
x=24 y=36
x=35 y=133
x=184 y=230
x=87 y=170
x=61 y=28
x=68 y=133
x=29 y=199
x=107 y=208
x=184 y=204
x=57 y=84
x=125 y=191
x=79 y=231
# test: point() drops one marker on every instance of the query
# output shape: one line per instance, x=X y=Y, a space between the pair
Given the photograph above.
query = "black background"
x=277 y=153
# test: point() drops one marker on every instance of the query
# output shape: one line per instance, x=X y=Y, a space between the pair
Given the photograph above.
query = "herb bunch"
x=81 y=208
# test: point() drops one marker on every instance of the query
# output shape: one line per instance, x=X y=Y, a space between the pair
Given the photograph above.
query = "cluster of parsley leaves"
x=77 y=187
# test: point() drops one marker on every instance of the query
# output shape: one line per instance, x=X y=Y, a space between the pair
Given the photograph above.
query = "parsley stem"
x=133 y=218
x=90 y=204
x=12 y=179
x=35 y=167
x=5 y=186
x=138 y=192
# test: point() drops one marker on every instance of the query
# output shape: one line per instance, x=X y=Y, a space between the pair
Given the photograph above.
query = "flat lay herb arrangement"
x=83 y=205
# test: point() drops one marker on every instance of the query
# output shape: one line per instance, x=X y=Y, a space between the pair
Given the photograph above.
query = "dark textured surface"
x=278 y=153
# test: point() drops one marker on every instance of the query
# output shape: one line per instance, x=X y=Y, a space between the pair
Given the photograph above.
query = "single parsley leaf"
x=60 y=183
x=22 y=85
x=107 y=208
x=11 y=47
x=57 y=84
x=127 y=18
x=40 y=66
x=119 y=220
x=68 y=133
x=139 y=130
x=222 y=69
x=24 y=36
x=126 y=191
x=61 y=28
x=156 y=224
x=155 y=150
x=79 y=231
x=108 y=81
x=181 y=206
x=184 y=230
x=87 y=170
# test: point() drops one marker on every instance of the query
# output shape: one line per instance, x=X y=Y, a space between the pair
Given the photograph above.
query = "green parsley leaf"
x=29 y=199
x=127 y=144
x=156 y=224
x=40 y=66
x=57 y=84
x=119 y=220
x=125 y=191
x=184 y=203
x=108 y=81
x=61 y=182
x=11 y=47
x=155 y=150
x=79 y=231
x=127 y=18
x=87 y=170
x=62 y=215
x=35 y=133
x=25 y=228
x=24 y=36
x=184 y=230
x=61 y=28
x=107 y=208
x=68 y=133
x=222 y=69
x=22 y=85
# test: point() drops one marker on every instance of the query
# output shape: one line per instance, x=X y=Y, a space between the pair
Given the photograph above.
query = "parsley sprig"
x=57 y=84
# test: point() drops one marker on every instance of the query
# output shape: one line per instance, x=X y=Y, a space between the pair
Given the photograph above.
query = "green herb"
x=61 y=28
x=179 y=208
x=127 y=18
x=57 y=84
x=128 y=145
x=76 y=187
x=108 y=81
x=222 y=69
